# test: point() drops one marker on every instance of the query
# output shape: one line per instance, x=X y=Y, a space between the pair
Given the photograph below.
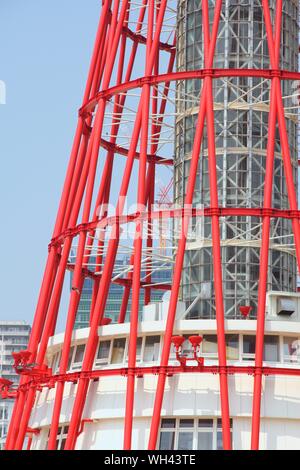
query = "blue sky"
x=44 y=58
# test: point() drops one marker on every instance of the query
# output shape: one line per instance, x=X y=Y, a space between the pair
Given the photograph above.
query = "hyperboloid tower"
x=206 y=90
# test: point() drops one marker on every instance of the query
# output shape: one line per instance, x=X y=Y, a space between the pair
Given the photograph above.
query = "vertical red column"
x=276 y=113
x=206 y=99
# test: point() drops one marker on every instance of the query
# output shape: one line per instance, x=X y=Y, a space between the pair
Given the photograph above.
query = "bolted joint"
x=208 y=72
x=276 y=73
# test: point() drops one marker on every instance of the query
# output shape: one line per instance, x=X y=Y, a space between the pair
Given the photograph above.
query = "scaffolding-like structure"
x=136 y=104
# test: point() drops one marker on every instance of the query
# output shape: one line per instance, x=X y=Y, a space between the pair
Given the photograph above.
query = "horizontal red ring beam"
x=187 y=75
x=139 y=38
x=155 y=370
x=177 y=213
x=123 y=151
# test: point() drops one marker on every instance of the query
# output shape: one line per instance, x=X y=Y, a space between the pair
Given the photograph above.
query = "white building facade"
x=190 y=418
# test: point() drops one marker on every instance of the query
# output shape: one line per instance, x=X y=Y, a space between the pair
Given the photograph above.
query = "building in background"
x=14 y=336
x=162 y=275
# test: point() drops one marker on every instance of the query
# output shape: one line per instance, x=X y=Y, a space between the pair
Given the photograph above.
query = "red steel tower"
x=135 y=101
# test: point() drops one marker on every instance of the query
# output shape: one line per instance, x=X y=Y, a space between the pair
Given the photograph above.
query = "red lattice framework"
x=118 y=50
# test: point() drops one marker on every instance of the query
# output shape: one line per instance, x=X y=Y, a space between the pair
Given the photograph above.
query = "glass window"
x=205 y=434
x=166 y=441
x=271 y=348
x=219 y=434
x=291 y=349
x=151 y=352
x=249 y=342
x=185 y=440
x=168 y=423
x=79 y=354
x=167 y=435
x=205 y=440
x=191 y=434
x=232 y=347
x=70 y=357
x=118 y=351
x=210 y=345
x=139 y=344
x=55 y=363
x=103 y=352
x=186 y=423
x=205 y=423
x=61 y=437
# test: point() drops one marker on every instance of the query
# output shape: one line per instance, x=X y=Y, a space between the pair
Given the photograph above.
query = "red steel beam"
x=178 y=213
x=182 y=243
x=138 y=240
x=73 y=377
x=274 y=52
x=188 y=75
x=216 y=243
x=277 y=110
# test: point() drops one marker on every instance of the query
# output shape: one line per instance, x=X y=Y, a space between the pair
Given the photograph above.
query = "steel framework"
x=128 y=111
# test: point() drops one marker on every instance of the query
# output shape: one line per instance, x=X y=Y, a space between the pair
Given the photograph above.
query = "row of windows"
x=14 y=329
x=15 y=339
x=112 y=352
x=14 y=348
x=191 y=434
x=238 y=348
x=176 y=434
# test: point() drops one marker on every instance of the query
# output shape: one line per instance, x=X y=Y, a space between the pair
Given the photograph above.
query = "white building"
x=191 y=407
x=14 y=336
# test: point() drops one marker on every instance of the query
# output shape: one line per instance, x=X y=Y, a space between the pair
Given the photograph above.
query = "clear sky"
x=45 y=47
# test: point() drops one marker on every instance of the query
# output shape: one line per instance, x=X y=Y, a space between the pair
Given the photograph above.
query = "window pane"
x=139 y=342
x=79 y=353
x=139 y=346
x=103 y=351
x=219 y=440
x=62 y=445
x=186 y=423
x=185 y=441
x=232 y=346
x=205 y=423
x=168 y=423
x=70 y=357
x=209 y=344
x=151 y=348
x=167 y=440
x=271 y=348
x=118 y=351
x=205 y=440
x=249 y=344
x=291 y=349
